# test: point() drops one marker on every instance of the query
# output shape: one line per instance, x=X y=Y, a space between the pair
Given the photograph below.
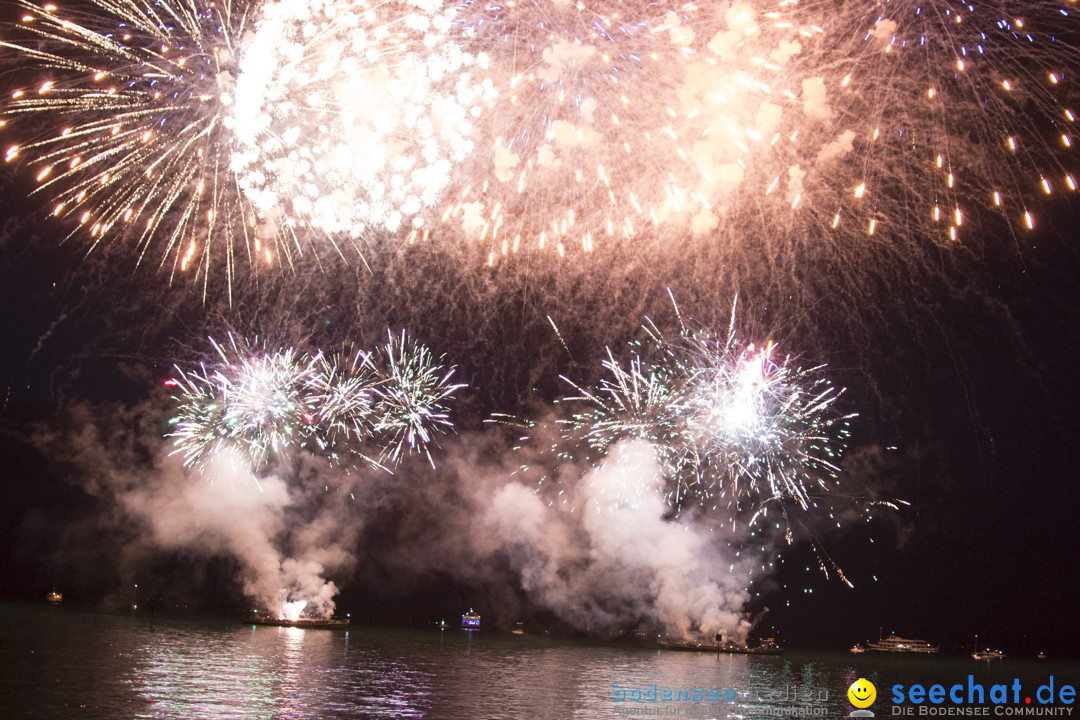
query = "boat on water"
x=897 y=644
x=1041 y=656
x=54 y=597
x=858 y=648
x=299 y=622
x=768 y=646
x=470 y=620
x=988 y=655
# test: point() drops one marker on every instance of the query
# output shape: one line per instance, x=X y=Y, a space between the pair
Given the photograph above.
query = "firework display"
x=411 y=403
x=620 y=123
x=850 y=166
x=732 y=424
x=953 y=108
x=226 y=130
x=265 y=403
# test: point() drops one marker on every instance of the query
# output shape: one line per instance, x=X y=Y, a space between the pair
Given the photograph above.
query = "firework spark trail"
x=952 y=109
x=264 y=403
x=350 y=115
x=344 y=394
x=256 y=400
x=125 y=125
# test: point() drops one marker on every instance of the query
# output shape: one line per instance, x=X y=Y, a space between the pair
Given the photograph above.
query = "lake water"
x=61 y=662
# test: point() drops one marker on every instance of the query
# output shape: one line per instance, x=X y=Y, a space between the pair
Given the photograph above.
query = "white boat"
x=857 y=648
x=902 y=645
x=988 y=655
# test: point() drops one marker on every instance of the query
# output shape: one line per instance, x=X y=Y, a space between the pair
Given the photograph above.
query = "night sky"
x=961 y=367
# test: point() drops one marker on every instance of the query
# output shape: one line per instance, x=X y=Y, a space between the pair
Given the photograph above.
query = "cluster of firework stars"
x=265 y=403
x=220 y=133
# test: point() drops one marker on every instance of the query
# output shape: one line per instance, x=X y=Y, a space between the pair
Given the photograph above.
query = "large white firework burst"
x=351 y=114
x=888 y=125
x=250 y=399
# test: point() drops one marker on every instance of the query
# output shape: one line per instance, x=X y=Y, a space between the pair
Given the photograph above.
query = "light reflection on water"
x=58 y=662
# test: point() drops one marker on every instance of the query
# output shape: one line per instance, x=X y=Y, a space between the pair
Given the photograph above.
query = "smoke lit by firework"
x=412 y=400
x=262 y=403
x=722 y=430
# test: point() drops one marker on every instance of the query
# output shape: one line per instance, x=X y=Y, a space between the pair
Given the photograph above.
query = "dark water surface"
x=61 y=662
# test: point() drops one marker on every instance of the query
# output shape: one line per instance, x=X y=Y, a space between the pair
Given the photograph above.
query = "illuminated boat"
x=470 y=620
x=54 y=597
x=902 y=645
x=857 y=648
x=298 y=622
x=988 y=655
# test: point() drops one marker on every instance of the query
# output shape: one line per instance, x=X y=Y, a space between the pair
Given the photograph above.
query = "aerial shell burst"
x=739 y=440
x=412 y=401
x=264 y=403
x=349 y=115
x=735 y=427
x=616 y=121
x=125 y=125
x=214 y=132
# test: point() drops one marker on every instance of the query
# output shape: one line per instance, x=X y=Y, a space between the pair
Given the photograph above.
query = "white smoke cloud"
x=608 y=558
x=679 y=34
x=286 y=531
x=283 y=555
x=505 y=162
x=785 y=50
x=472 y=218
x=704 y=222
x=596 y=547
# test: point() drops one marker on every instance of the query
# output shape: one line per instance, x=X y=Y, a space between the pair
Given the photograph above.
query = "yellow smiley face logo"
x=862 y=693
